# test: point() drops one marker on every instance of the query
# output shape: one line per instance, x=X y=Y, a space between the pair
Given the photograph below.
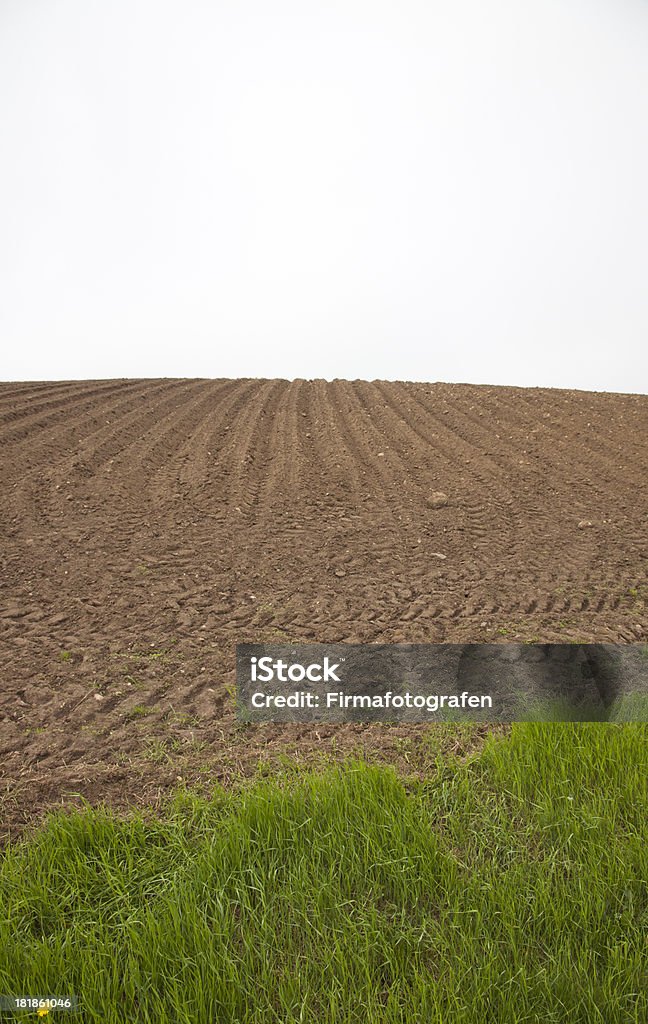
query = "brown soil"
x=150 y=525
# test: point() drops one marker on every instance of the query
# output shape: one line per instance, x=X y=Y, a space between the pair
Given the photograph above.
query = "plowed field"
x=150 y=525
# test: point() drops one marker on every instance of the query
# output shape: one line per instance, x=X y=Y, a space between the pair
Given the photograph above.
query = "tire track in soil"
x=61 y=411
x=582 y=486
x=395 y=528
x=562 y=414
x=487 y=427
x=54 y=445
x=503 y=539
x=12 y=391
x=404 y=441
x=200 y=476
x=160 y=569
x=285 y=458
x=591 y=417
x=531 y=509
x=573 y=474
x=425 y=527
x=298 y=470
x=152 y=450
x=188 y=469
x=12 y=394
x=44 y=497
x=373 y=446
x=323 y=540
x=46 y=397
x=526 y=519
x=337 y=464
x=462 y=475
x=102 y=448
x=401 y=543
x=242 y=461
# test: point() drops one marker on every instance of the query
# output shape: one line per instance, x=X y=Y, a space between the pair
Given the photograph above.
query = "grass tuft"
x=510 y=887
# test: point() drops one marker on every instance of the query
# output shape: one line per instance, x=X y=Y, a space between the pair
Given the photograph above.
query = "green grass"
x=139 y=711
x=507 y=889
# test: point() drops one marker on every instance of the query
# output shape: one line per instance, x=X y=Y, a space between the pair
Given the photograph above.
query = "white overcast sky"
x=415 y=189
